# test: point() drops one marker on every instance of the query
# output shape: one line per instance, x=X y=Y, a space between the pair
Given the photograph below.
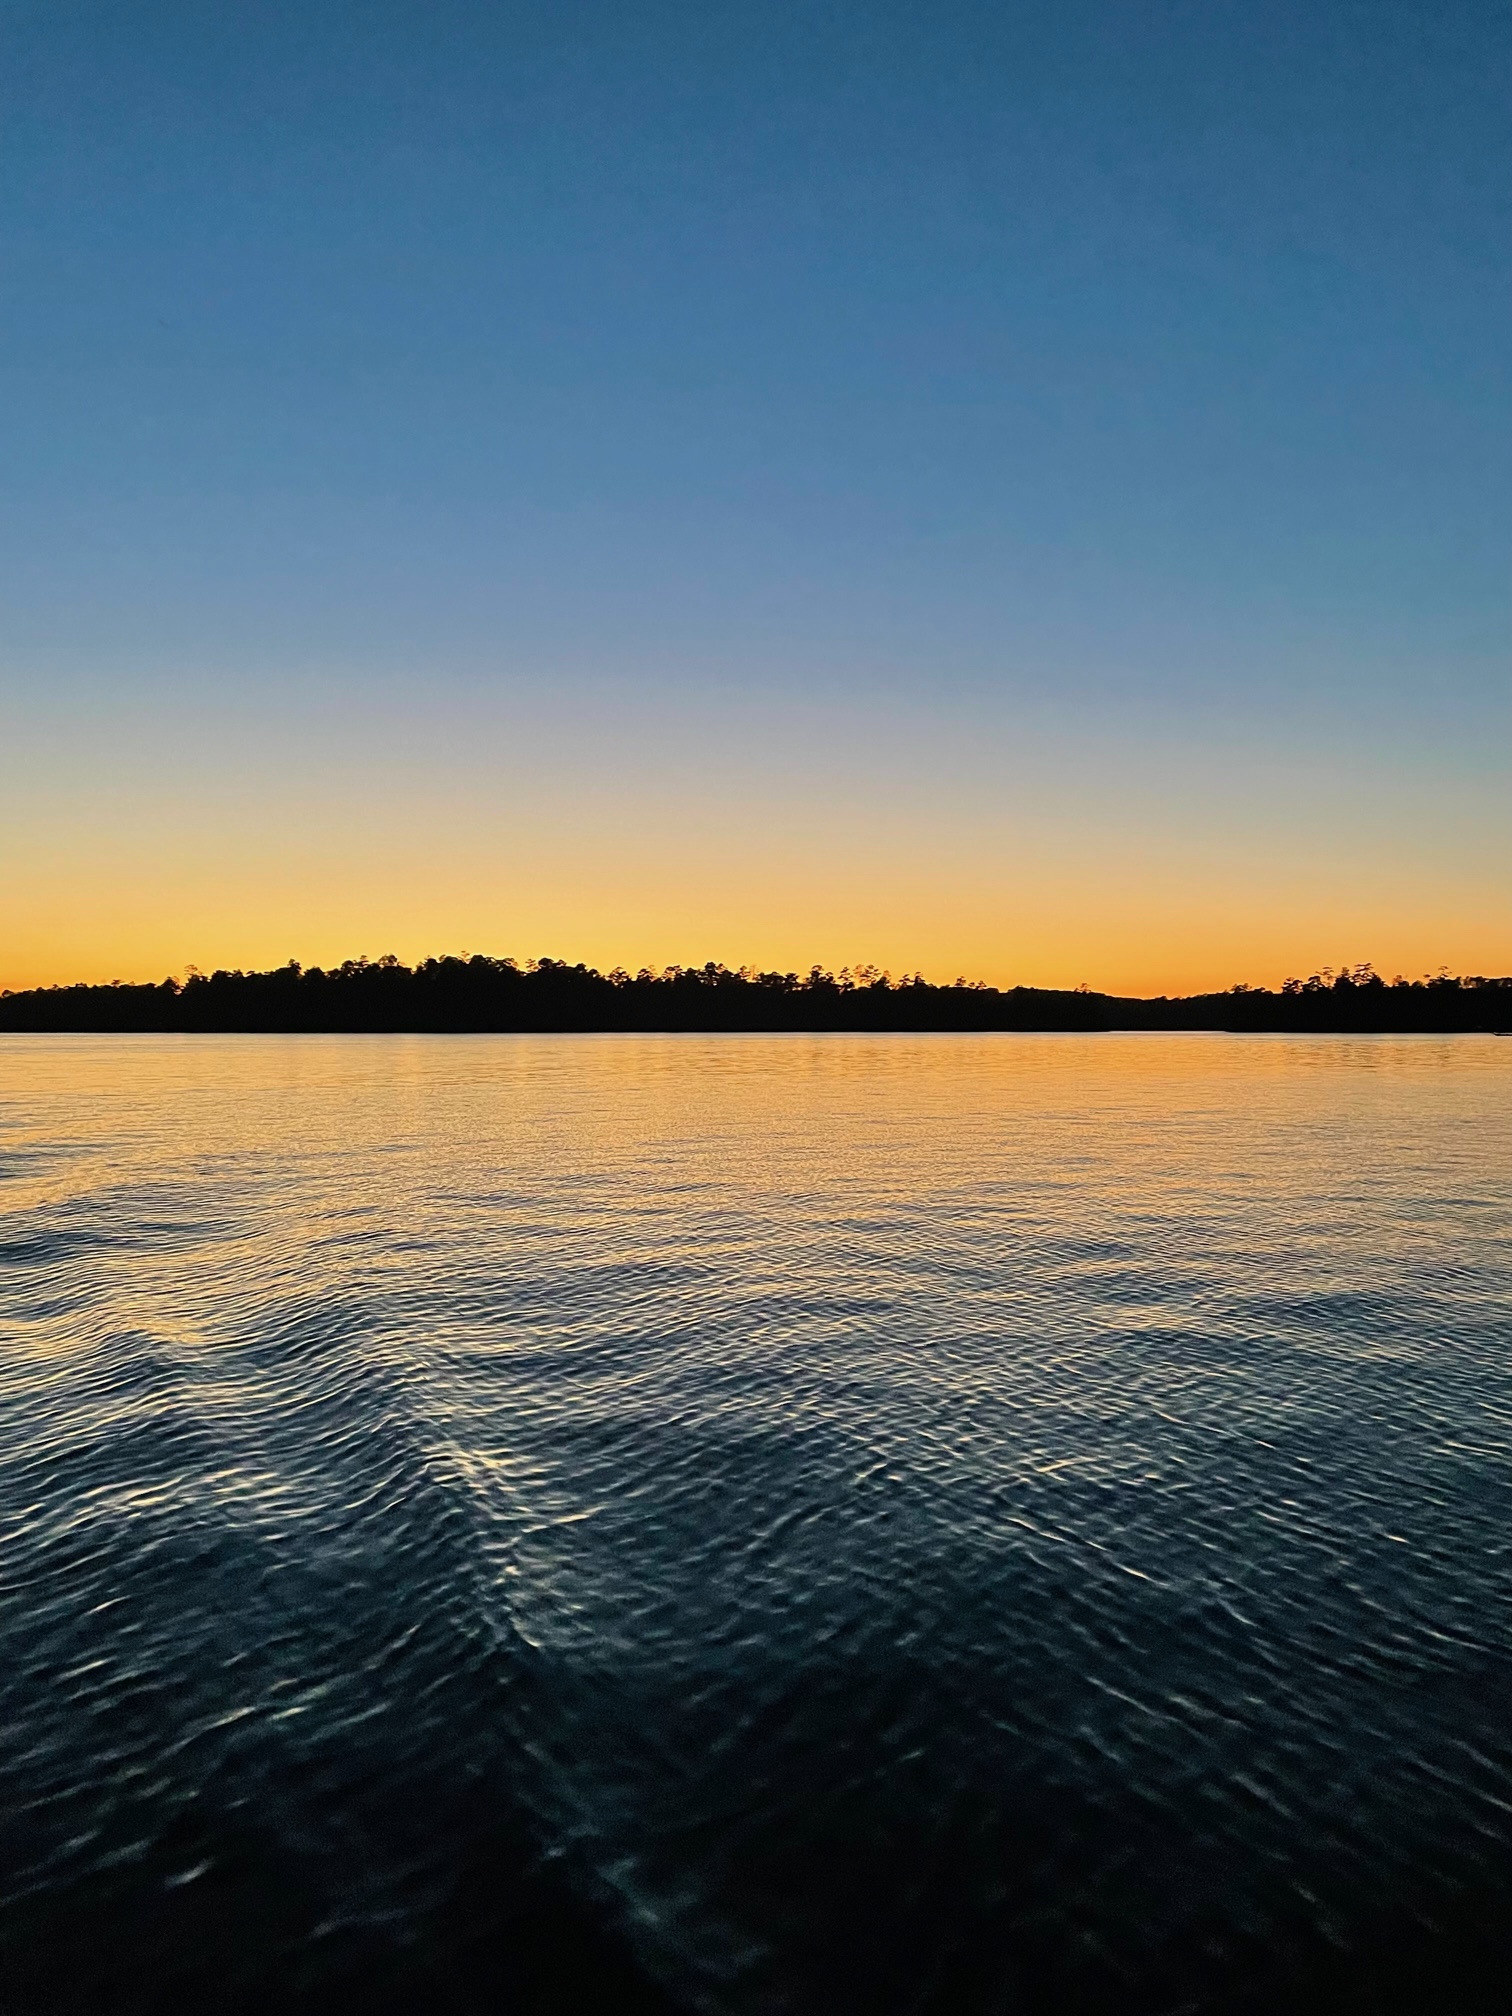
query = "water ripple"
x=751 y=1526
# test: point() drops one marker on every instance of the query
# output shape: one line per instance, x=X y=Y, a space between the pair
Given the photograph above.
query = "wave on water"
x=755 y=1526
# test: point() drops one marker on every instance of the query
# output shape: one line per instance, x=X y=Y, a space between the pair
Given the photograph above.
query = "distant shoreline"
x=479 y=995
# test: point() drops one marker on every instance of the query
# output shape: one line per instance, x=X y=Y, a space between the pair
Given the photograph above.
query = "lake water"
x=750 y=1525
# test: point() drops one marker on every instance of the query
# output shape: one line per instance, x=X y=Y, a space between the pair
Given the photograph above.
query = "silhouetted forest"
x=482 y=994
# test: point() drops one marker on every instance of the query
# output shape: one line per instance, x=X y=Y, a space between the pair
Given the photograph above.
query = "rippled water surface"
x=740 y=1525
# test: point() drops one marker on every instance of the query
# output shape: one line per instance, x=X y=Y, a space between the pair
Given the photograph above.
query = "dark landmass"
x=482 y=994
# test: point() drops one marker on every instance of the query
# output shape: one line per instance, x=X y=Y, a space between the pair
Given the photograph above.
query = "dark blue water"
x=1008 y=1524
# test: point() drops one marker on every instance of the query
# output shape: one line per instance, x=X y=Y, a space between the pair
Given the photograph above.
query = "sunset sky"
x=1020 y=490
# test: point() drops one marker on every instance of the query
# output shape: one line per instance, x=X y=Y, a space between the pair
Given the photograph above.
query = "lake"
x=756 y=1524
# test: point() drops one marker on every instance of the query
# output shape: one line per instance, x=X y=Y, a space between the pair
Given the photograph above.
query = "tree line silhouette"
x=479 y=994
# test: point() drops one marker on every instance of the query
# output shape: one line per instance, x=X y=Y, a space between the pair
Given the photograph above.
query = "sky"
x=1020 y=490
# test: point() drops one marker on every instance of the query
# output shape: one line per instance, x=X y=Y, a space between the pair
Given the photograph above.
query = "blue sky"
x=1056 y=455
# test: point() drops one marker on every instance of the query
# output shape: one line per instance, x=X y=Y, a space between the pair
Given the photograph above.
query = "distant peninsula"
x=479 y=994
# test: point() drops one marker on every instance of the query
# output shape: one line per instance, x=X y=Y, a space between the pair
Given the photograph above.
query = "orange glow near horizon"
x=1000 y=849
x=119 y=923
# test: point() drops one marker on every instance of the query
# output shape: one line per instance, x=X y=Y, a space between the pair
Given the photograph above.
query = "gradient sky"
x=1013 y=489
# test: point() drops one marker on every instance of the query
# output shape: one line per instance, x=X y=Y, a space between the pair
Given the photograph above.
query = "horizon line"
x=846 y=977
